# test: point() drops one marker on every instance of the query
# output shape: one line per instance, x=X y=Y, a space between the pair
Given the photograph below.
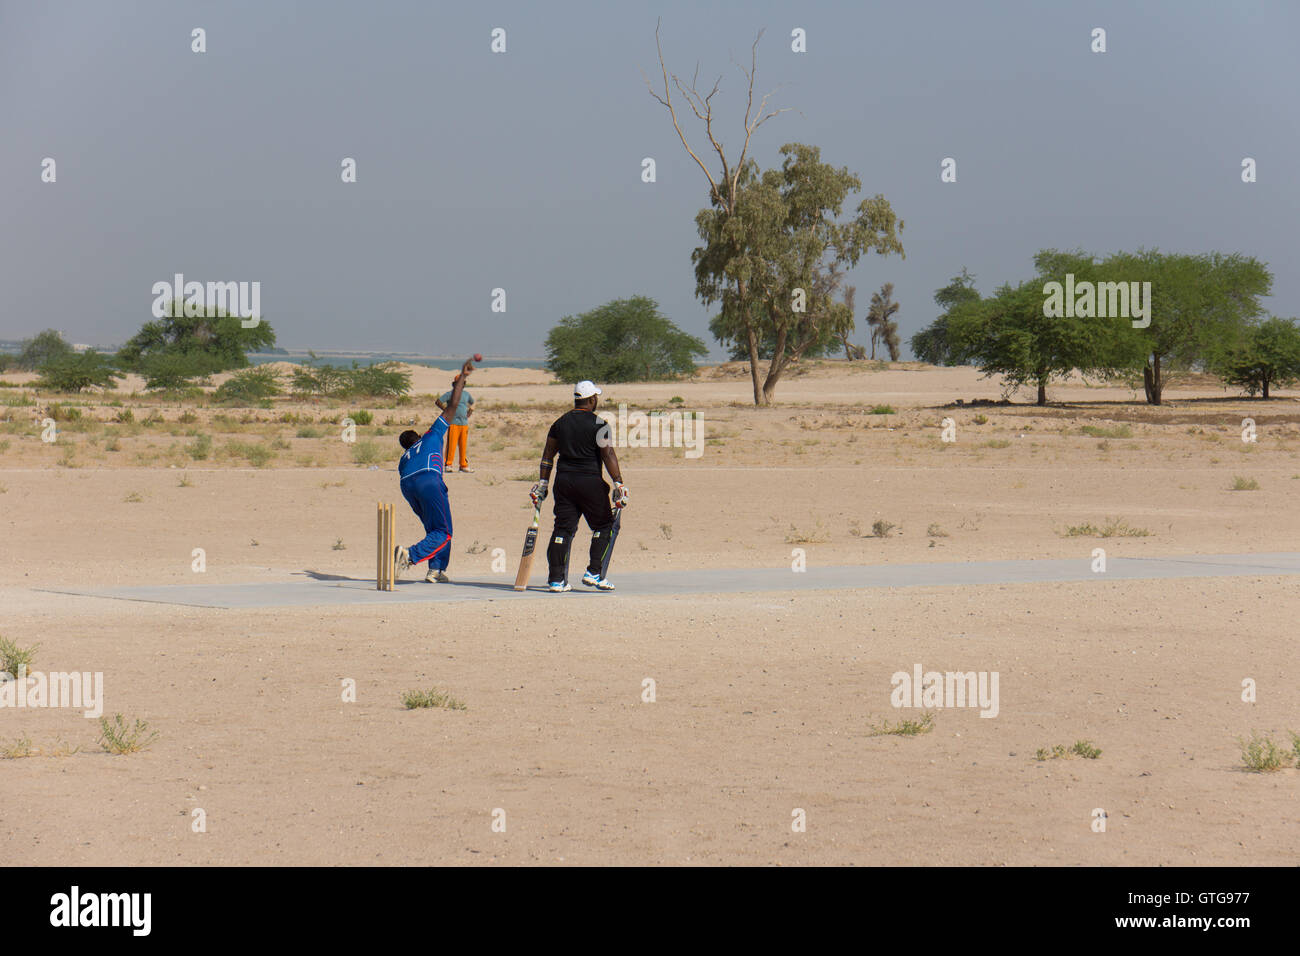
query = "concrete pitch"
x=313 y=589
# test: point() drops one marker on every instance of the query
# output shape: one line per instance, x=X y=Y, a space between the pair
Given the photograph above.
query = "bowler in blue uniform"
x=422 y=484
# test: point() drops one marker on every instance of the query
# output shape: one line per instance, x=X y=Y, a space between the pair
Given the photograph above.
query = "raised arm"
x=457 y=386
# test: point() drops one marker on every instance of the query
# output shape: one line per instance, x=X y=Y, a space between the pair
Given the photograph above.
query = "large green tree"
x=767 y=236
x=785 y=246
x=1114 y=347
x=724 y=186
x=1201 y=305
x=1009 y=335
x=626 y=340
x=192 y=346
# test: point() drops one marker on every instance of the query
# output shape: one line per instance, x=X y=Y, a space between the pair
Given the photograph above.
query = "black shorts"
x=581 y=496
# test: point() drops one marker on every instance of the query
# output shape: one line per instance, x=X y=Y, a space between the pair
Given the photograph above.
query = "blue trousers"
x=426 y=493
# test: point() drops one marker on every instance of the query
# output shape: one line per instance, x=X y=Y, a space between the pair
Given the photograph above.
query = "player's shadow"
x=482 y=585
x=322 y=576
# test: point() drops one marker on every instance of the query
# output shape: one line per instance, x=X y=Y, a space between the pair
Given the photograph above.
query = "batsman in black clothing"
x=584 y=445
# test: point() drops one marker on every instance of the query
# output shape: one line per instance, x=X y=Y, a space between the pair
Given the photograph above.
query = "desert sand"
x=764 y=704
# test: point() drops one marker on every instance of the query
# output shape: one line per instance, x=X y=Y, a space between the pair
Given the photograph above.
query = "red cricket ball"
x=478 y=356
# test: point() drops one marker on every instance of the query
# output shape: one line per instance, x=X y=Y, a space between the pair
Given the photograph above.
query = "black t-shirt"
x=575 y=433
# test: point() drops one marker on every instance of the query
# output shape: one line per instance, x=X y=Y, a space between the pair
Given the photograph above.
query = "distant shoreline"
x=328 y=357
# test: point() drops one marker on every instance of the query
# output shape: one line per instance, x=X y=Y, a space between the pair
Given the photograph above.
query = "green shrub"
x=76 y=371
x=250 y=386
x=904 y=728
x=1097 y=431
x=318 y=380
x=625 y=340
x=13 y=657
x=377 y=380
x=1261 y=755
x=1080 y=748
x=119 y=737
x=367 y=453
x=414 y=699
x=257 y=455
x=201 y=448
x=166 y=372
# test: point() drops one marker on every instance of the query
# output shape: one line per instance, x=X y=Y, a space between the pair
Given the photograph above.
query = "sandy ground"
x=763 y=703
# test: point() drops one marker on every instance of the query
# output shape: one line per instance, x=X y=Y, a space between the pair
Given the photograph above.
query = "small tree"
x=880 y=318
x=1269 y=357
x=626 y=340
x=41 y=350
x=732 y=290
x=852 y=352
x=785 y=238
x=205 y=344
x=76 y=371
x=1009 y=335
x=932 y=343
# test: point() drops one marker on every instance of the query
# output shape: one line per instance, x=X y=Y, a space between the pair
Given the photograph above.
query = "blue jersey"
x=425 y=454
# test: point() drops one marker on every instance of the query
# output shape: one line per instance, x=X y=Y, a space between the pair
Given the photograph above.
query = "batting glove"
x=539 y=492
x=620 y=495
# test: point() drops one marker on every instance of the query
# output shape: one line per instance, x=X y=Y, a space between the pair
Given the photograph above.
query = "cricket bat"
x=613 y=536
x=530 y=543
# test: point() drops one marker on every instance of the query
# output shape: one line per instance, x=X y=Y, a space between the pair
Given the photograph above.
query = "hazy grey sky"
x=522 y=170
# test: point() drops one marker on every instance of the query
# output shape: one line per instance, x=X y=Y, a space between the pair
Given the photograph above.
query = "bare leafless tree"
x=725 y=187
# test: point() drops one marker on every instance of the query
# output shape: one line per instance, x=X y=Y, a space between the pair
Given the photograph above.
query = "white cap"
x=585 y=389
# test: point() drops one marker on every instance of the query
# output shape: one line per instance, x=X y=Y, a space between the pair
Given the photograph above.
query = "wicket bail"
x=384 y=565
